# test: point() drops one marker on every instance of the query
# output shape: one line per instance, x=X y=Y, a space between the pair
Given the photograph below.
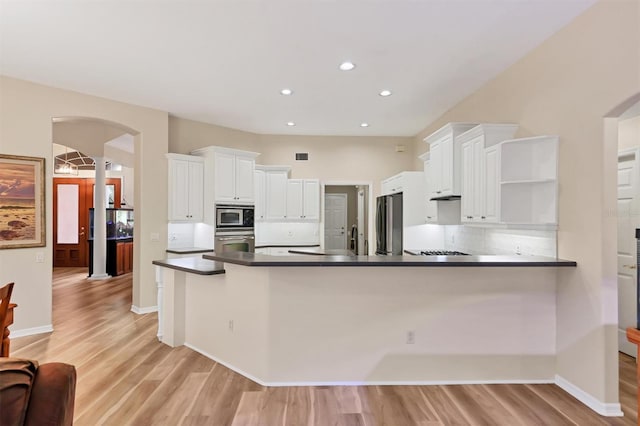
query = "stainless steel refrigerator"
x=389 y=225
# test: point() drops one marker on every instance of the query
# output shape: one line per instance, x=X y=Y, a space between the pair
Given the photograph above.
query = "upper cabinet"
x=186 y=180
x=479 y=170
x=234 y=177
x=271 y=192
x=445 y=160
x=228 y=177
x=391 y=185
x=303 y=199
x=412 y=186
x=528 y=181
x=259 y=190
x=444 y=212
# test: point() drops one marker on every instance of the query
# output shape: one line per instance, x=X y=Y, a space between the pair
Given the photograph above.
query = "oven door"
x=227 y=243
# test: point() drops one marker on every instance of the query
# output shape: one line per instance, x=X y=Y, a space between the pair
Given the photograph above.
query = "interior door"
x=72 y=199
x=335 y=221
x=627 y=272
x=71 y=222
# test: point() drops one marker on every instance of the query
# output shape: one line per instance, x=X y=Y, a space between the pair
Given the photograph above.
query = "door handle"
x=630 y=266
x=82 y=233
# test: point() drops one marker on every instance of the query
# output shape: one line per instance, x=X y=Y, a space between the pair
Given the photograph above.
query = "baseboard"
x=31 y=331
x=367 y=382
x=229 y=366
x=140 y=311
x=602 y=408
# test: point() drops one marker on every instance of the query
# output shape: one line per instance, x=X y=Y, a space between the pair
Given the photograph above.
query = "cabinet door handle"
x=482 y=217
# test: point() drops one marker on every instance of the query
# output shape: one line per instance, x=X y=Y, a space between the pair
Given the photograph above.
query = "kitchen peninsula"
x=308 y=320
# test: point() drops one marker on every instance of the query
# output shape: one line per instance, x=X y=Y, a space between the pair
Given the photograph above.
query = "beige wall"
x=629 y=133
x=26 y=112
x=565 y=87
x=331 y=158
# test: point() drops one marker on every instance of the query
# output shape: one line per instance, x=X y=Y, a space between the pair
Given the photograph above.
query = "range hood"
x=446 y=198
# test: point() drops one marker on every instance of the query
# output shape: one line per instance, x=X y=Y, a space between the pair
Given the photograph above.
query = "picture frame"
x=22 y=202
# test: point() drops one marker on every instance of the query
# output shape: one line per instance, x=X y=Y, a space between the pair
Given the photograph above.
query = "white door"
x=335 y=221
x=627 y=291
x=224 y=177
x=244 y=179
x=295 y=188
x=311 y=191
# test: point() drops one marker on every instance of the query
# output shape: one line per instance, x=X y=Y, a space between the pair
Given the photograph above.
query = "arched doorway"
x=77 y=143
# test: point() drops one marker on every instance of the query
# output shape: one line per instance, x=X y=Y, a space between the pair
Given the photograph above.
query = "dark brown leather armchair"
x=34 y=395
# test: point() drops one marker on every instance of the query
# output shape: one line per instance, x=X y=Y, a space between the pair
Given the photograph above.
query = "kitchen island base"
x=369 y=325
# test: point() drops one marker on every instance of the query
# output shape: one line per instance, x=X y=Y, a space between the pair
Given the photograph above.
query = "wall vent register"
x=302 y=156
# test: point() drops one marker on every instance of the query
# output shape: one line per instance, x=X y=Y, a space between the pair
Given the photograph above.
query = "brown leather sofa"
x=36 y=395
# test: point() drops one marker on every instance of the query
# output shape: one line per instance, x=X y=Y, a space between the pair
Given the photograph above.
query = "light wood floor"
x=126 y=377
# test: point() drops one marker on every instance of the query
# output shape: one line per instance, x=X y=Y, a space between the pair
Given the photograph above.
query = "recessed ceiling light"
x=385 y=93
x=291 y=123
x=347 y=66
x=364 y=124
x=286 y=92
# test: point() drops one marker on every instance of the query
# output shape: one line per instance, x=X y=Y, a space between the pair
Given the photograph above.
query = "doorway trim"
x=369 y=186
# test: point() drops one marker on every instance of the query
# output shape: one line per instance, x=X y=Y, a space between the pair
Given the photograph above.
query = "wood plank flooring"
x=126 y=377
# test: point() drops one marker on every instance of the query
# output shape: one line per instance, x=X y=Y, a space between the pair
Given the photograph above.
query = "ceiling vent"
x=302 y=156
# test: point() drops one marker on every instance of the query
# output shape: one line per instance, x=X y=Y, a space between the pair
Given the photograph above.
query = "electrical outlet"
x=411 y=337
x=40 y=257
x=518 y=250
x=155 y=236
x=231 y=326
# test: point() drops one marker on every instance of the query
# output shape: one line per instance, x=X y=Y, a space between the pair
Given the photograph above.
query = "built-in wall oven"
x=234 y=228
x=235 y=241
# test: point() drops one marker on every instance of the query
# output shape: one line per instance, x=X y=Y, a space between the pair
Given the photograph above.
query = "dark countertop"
x=194 y=265
x=253 y=259
x=189 y=250
x=287 y=245
x=320 y=252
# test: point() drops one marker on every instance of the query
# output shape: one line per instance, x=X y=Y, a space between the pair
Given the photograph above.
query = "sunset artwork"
x=20 y=206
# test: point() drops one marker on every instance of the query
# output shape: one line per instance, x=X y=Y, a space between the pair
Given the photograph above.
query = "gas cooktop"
x=436 y=253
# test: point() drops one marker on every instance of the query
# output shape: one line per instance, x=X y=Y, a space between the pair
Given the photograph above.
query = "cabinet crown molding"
x=425 y=156
x=186 y=157
x=449 y=128
x=273 y=168
x=212 y=149
x=499 y=132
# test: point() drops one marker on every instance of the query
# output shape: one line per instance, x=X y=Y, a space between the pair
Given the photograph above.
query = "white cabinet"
x=303 y=199
x=445 y=160
x=233 y=177
x=478 y=193
x=228 y=177
x=276 y=193
x=259 y=190
x=528 y=174
x=412 y=186
x=186 y=180
x=391 y=185
x=437 y=212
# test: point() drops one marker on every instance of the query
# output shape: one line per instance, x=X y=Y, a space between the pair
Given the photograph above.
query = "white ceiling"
x=225 y=61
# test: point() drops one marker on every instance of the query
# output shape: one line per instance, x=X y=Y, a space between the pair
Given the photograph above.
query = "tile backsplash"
x=190 y=235
x=476 y=240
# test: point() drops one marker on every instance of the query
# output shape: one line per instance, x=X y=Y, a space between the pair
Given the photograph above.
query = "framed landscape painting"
x=22 y=206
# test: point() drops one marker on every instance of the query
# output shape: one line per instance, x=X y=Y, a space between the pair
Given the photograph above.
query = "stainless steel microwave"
x=234 y=216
